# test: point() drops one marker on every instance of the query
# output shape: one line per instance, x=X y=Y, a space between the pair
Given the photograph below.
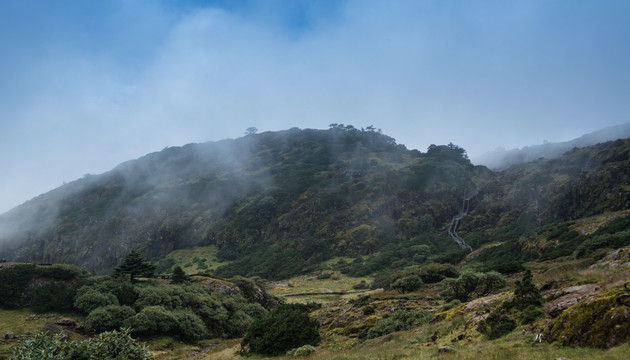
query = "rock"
x=563 y=299
x=66 y=322
x=445 y=349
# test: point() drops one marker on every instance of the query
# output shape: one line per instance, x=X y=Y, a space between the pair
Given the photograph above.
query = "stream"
x=452 y=229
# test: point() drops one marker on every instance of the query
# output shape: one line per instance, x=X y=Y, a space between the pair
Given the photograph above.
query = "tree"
x=179 y=276
x=134 y=265
x=470 y=285
x=526 y=293
x=286 y=327
x=251 y=130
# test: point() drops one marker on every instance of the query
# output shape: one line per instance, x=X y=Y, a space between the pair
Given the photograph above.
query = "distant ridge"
x=502 y=159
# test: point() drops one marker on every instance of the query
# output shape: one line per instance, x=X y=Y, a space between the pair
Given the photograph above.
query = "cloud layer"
x=91 y=84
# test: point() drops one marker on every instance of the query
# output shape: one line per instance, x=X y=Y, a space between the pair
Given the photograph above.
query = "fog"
x=88 y=85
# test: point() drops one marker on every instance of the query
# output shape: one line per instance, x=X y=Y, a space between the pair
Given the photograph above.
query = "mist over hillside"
x=277 y=204
x=501 y=159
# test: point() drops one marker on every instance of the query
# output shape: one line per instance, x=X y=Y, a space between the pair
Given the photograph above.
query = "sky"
x=86 y=85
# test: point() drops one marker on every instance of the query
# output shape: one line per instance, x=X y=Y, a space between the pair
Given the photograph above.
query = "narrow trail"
x=452 y=229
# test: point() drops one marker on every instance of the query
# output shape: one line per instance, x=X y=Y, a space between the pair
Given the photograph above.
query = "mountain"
x=501 y=159
x=277 y=204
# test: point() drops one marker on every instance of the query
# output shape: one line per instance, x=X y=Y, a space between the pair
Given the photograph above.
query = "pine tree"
x=526 y=293
x=134 y=265
x=179 y=276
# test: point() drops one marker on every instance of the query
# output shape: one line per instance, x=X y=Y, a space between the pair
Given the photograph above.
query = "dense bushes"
x=89 y=299
x=14 y=280
x=286 y=327
x=189 y=312
x=107 y=345
x=398 y=321
x=54 y=296
x=109 y=317
x=470 y=285
x=496 y=325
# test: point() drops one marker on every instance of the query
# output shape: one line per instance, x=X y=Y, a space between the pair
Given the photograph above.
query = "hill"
x=277 y=204
x=502 y=159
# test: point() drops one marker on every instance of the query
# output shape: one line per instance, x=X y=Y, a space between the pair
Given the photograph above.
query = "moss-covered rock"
x=599 y=322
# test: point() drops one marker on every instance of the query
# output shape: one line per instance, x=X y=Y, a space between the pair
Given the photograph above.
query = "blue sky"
x=86 y=85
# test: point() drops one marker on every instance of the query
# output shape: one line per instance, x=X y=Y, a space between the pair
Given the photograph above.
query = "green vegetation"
x=286 y=327
x=398 y=321
x=107 y=345
x=323 y=216
x=470 y=285
x=133 y=265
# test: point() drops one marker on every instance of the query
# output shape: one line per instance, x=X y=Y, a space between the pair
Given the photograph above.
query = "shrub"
x=238 y=324
x=450 y=305
x=107 y=345
x=52 y=297
x=189 y=325
x=125 y=293
x=470 y=285
x=152 y=320
x=286 y=327
x=398 y=321
x=117 y=345
x=496 y=325
x=305 y=350
x=530 y=314
x=92 y=299
x=12 y=281
x=407 y=284
x=109 y=317
x=360 y=286
x=61 y=272
x=168 y=296
x=434 y=273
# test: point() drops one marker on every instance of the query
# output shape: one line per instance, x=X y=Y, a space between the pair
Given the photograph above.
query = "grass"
x=24 y=323
x=312 y=284
x=197 y=260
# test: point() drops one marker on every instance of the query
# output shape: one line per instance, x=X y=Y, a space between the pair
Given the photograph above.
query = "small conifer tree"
x=526 y=293
x=134 y=265
x=179 y=276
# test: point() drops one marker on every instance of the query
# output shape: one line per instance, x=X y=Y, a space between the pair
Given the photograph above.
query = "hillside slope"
x=280 y=203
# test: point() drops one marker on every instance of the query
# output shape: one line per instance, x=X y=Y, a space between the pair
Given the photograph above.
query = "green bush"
x=451 y=304
x=435 y=272
x=168 y=296
x=109 y=317
x=530 y=314
x=90 y=300
x=189 y=325
x=497 y=324
x=63 y=272
x=305 y=350
x=407 y=284
x=470 y=285
x=398 y=321
x=286 y=327
x=52 y=297
x=12 y=282
x=152 y=320
x=107 y=345
x=125 y=292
